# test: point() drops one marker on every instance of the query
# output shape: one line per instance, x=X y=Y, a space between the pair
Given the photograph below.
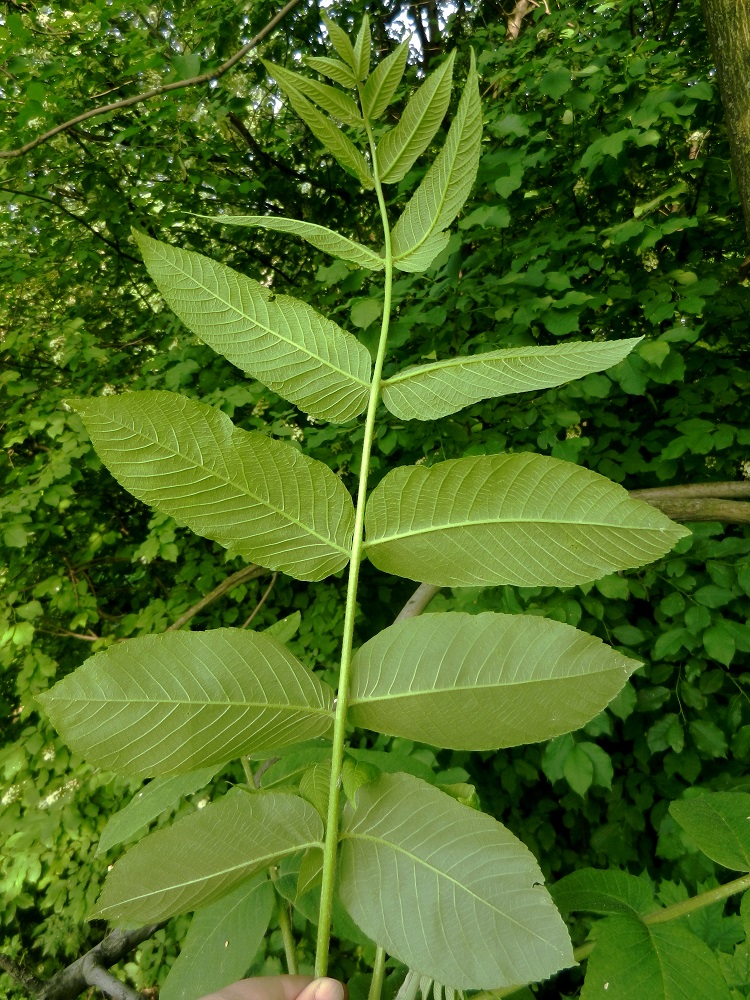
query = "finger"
x=264 y=988
x=323 y=989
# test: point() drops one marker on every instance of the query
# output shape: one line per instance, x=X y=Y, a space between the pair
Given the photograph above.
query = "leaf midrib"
x=397 y=848
x=401 y=154
x=230 y=482
x=270 y=222
x=171 y=702
x=485 y=522
x=268 y=330
x=258 y=862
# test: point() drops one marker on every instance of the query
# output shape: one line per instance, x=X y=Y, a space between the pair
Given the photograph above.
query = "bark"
x=516 y=16
x=728 y=27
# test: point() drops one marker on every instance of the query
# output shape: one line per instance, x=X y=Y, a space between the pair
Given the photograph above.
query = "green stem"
x=245 y=761
x=286 y=929
x=342 y=696
x=378 y=972
x=662 y=916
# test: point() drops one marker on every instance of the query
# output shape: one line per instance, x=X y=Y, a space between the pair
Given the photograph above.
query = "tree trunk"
x=728 y=24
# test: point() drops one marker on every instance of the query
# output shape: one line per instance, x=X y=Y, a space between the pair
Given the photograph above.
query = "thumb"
x=323 y=989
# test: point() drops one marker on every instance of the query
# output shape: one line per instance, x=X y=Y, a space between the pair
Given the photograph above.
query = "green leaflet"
x=426 y=392
x=446 y=185
x=285 y=628
x=340 y=41
x=422 y=117
x=171 y=703
x=446 y=889
x=323 y=239
x=337 y=71
x=152 y=800
x=205 y=855
x=718 y=823
x=361 y=63
x=478 y=682
x=639 y=961
x=277 y=339
x=221 y=942
x=337 y=104
x=594 y=890
x=523 y=519
x=261 y=499
x=382 y=83
x=330 y=135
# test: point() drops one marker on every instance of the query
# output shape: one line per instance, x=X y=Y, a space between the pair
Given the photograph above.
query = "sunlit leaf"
x=422 y=117
x=170 y=703
x=383 y=82
x=261 y=499
x=426 y=392
x=477 y=682
x=329 y=99
x=205 y=855
x=340 y=41
x=150 y=802
x=277 y=339
x=323 y=239
x=361 y=63
x=337 y=71
x=221 y=942
x=446 y=889
x=520 y=519
x=446 y=186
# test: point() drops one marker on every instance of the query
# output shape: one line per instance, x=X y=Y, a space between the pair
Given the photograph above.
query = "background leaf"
x=601 y=891
x=417 y=126
x=637 y=961
x=205 y=855
x=520 y=519
x=279 y=340
x=221 y=942
x=152 y=800
x=261 y=499
x=426 y=392
x=171 y=703
x=477 y=682
x=446 y=185
x=318 y=236
x=484 y=917
x=718 y=823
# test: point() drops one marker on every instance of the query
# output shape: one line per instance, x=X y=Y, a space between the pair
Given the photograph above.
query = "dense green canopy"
x=604 y=209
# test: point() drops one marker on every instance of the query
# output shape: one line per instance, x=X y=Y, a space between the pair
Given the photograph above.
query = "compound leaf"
x=422 y=117
x=151 y=801
x=718 y=823
x=261 y=499
x=326 y=132
x=323 y=239
x=171 y=703
x=340 y=41
x=278 y=340
x=205 y=855
x=383 y=82
x=446 y=889
x=362 y=46
x=478 y=682
x=446 y=185
x=637 y=961
x=337 y=104
x=520 y=519
x=221 y=942
x=426 y=392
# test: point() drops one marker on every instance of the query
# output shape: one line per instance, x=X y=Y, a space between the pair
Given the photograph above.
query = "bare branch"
x=708 y=509
x=250 y=572
x=693 y=491
x=263 y=599
x=88 y=969
x=418 y=601
x=127 y=102
x=516 y=16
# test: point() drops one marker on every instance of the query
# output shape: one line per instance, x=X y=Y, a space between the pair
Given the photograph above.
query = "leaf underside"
x=478 y=682
x=383 y=82
x=520 y=519
x=719 y=824
x=171 y=703
x=318 y=236
x=261 y=499
x=205 y=855
x=426 y=392
x=447 y=890
x=330 y=99
x=278 y=340
x=594 y=890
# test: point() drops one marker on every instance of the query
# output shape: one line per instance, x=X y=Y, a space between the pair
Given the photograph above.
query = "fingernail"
x=328 y=989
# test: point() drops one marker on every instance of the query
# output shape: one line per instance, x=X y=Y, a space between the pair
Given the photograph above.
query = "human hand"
x=281 y=988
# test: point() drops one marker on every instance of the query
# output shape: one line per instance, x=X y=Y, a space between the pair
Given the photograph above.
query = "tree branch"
x=700 y=501
x=515 y=19
x=250 y=572
x=692 y=491
x=127 y=102
x=90 y=969
x=417 y=602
